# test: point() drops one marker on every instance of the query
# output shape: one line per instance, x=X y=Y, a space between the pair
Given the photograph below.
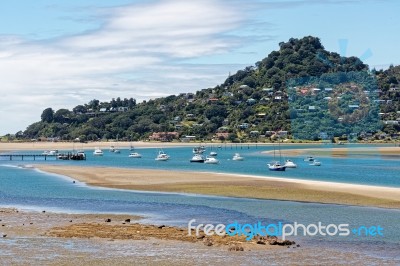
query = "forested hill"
x=249 y=104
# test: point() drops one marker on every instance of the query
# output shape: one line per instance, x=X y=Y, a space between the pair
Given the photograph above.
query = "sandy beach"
x=231 y=185
x=42 y=146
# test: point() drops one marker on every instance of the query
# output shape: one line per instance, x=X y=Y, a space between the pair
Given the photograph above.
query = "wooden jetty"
x=27 y=156
x=22 y=157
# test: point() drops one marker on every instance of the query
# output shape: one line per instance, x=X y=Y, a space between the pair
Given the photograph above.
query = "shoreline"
x=230 y=185
x=41 y=146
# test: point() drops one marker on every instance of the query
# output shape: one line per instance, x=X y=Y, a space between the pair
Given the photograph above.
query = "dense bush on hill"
x=248 y=104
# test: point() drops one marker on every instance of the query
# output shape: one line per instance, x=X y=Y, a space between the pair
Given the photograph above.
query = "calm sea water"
x=31 y=189
x=371 y=169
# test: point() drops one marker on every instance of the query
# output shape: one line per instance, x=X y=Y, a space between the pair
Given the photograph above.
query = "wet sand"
x=62 y=232
x=231 y=185
x=37 y=238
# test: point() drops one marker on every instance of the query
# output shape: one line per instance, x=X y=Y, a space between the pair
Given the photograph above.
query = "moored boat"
x=211 y=160
x=276 y=166
x=316 y=163
x=98 y=152
x=237 y=157
x=162 y=156
x=135 y=155
x=199 y=150
x=309 y=159
x=290 y=164
x=197 y=158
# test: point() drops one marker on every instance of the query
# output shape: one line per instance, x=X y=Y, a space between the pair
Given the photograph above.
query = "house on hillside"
x=164 y=136
x=122 y=109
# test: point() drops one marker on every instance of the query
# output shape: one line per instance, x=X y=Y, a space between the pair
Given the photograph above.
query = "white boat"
x=290 y=164
x=135 y=155
x=309 y=159
x=237 y=157
x=199 y=150
x=213 y=153
x=112 y=149
x=98 y=152
x=211 y=160
x=117 y=151
x=81 y=153
x=197 y=158
x=162 y=156
x=276 y=166
x=53 y=152
x=316 y=163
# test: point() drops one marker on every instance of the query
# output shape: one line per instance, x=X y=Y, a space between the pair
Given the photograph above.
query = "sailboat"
x=276 y=165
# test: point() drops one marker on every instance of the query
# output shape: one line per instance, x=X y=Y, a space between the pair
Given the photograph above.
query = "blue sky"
x=62 y=53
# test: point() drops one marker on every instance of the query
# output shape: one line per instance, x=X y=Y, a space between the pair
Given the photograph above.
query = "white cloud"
x=136 y=52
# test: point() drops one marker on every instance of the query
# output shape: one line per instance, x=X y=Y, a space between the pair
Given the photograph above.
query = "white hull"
x=211 y=161
x=290 y=164
x=135 y=155
x=237 y=157
x=98 y=152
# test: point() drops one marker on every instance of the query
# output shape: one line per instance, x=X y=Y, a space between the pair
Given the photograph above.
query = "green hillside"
x=250 y=105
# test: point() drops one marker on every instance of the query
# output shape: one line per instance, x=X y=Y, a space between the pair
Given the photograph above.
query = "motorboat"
x=197 y=158
x=309 y=159
x=98 y=152
x=51 y=153
x=135 y=155
x=162 y=156
x=316 y=163
x=117 y=151
x=213 y=153
x=290 y=164
x=199 y=150
x=276 y=166
x=211 y=160
x=237 y=157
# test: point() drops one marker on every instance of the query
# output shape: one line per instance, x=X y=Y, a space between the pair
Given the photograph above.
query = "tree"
x=61 y=116
x=79 y=109
x=47 y=115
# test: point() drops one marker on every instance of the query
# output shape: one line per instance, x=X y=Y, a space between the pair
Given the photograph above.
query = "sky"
x=64 y=53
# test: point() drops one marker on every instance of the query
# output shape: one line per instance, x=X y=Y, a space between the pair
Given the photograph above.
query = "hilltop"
x=252 y=104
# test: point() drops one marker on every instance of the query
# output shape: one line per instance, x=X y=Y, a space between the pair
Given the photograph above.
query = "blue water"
x=373 y=169
x=28 y=188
